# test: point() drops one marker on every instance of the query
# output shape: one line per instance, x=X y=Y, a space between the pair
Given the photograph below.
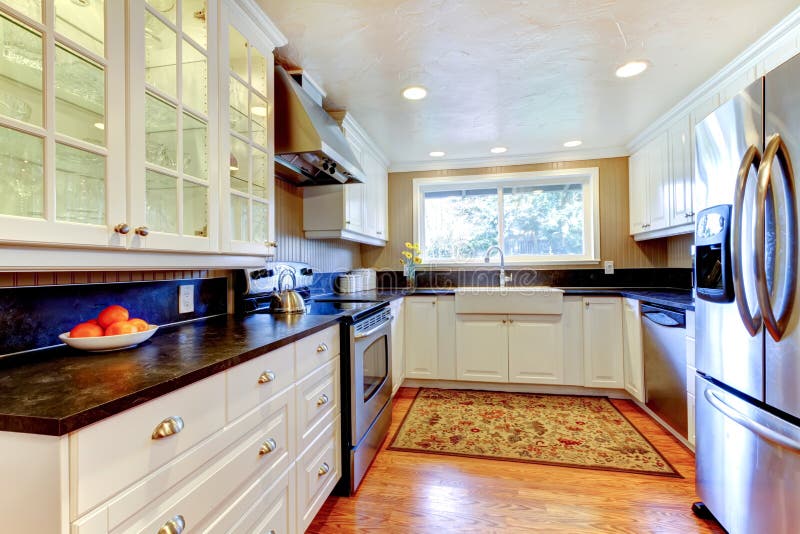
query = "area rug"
x=565 y=430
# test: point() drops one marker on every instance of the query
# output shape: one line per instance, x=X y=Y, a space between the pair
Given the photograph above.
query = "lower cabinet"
x=602 y=342
x=398 y=344
x=482 y=348
x=421 y=349
x=632 y=349
x=535 y=349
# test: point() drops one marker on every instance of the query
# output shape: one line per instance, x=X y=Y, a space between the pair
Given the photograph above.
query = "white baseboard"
x=517 y=388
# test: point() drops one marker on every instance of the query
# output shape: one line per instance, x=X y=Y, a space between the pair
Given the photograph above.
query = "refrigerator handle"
x=756 y=428
x=776 y=326
x=752 y=322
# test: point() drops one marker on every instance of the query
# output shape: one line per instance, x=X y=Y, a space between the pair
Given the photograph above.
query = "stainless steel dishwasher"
x=664 y=347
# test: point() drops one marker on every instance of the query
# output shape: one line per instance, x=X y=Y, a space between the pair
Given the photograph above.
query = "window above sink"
x=537 y=218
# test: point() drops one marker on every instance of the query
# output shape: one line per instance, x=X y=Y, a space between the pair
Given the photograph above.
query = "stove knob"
x=255 y=275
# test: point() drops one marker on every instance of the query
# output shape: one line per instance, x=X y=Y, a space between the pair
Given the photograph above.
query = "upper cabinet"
x=355 y=212
x=160 y=142
x=62 y=139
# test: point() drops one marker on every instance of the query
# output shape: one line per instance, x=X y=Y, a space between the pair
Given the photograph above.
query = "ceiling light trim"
x=415 y=92
x=632 y=68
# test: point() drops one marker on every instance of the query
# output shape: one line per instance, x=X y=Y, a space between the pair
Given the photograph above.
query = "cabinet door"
x=381 y=202
x=446 y=327
x=173 y=126
x=572 y=334
x=680 y=149
x=658 y=185
x=482 y=348
x=355 y=194
x=246 y=92
x=637 y=191
x=398 y=345
x=535 y=349
x=632 y=349
x=602 y=342
x=62 y=136
x=421 y=344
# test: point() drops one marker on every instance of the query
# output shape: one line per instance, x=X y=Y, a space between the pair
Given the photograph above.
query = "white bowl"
x=107 y=343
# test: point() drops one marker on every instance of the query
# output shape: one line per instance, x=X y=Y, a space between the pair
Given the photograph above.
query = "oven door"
x=370 y=377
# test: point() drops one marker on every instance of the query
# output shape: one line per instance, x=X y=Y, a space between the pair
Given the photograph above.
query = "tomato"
x=140 y=324
x=86 y=330
x=121 y=327
x=112 y=314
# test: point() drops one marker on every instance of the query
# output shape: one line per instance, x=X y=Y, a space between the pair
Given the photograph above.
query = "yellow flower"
x=409 y=245
x=407 y=254
x=417 y=260
x=416 y=247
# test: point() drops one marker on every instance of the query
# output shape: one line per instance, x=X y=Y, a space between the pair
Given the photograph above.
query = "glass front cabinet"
x=161 y=143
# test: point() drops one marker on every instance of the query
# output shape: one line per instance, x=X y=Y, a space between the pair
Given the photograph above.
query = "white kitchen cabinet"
x=632 y=349
x=637 y=191
x=602 y=342
x=482 y=347
x=572 y=335
x=421 y=339
x=681 y=174
x=398 y=343
x=649 y=191
x=690 y=376
x=446 y=336
x=535 y=349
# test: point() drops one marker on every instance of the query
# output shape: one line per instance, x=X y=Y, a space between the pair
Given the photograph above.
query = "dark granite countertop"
x=59 y=390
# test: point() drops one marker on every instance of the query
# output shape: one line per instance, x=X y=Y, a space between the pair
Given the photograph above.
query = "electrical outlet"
x=185 y=299
x=609 y=266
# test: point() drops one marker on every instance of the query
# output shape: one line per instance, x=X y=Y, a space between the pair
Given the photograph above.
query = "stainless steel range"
x=365 y=359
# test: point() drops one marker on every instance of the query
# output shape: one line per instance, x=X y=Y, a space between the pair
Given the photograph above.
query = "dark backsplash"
x=33 y=317
x=627 y=278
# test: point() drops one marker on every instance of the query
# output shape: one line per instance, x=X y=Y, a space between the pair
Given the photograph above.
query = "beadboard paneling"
x=21 y=279
x=615 y=243
x=324 y=255
x=679 y=250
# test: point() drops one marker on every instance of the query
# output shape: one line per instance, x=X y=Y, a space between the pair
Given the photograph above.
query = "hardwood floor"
x=413 y=492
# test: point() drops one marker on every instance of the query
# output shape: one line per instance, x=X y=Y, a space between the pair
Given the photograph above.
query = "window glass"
x=460 y=225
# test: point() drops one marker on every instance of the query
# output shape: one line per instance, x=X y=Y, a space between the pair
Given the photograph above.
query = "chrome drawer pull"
x=267 y=447
x=324 y=470
x=322 y=347
x=167 y=427
x=322 y=400
x=266 y=376
x=173 y=526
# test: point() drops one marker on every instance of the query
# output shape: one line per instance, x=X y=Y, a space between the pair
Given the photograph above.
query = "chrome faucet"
x=503 y=277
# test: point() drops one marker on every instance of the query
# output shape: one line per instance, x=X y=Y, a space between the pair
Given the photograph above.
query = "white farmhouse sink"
x=521 y=300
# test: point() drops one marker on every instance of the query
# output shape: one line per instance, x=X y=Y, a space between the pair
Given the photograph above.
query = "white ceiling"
x=525 y=74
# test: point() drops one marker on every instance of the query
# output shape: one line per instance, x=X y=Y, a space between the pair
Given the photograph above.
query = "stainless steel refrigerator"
x=748 y=337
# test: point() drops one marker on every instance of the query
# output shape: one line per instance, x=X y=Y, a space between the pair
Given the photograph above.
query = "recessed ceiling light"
x=573 y=144
x=415 y=92
x=259 y=111
x=100 y=126
x=436 y=154
x=499 y=150
x=632 y=68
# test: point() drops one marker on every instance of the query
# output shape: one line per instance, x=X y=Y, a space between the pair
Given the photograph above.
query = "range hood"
x=310 y=148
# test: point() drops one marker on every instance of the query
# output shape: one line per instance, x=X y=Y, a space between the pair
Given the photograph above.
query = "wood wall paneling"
x=679 y=250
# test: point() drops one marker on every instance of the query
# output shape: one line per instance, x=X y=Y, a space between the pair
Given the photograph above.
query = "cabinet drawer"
x=318 y=470
x=316 y=349
x=317 y=402
x=253 y=382
x=264 y=452
x=110 y=455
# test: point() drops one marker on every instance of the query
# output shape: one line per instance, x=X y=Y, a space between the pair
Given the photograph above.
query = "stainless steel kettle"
x=286 y=301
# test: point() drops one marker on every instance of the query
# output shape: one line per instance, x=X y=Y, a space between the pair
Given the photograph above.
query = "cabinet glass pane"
x=239 y=218
x=161 y=128
x=258 y=71
x=195 y=209
x=195 y=78
x=166 y=8
x=162 y=202
x=30 y=8
x=193 y=20
x=21 y=174
x=83 y=21
x=20 y=72
x=260 y=173
x=240 y=165
x=80 y=97
x=239 y=108
x=160 y=56
x=260 y=113
x=260 y=217
x=195 y=147
x=237 y=50
x=80 y=186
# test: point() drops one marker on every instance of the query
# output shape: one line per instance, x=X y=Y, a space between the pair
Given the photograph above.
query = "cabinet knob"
x=322 y=347
x=267 y=447
x=168 y=427
x=122 y=228
x=173 y=526
x=142 y=231
x=504 y=321
x=266 y=376
x=323 y=400
x=324 y=469
x=587 y=304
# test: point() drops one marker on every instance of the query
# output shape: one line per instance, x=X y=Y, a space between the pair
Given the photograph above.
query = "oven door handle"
x=373 y=330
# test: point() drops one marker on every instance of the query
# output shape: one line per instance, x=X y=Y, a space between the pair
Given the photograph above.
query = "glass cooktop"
x=335 y=308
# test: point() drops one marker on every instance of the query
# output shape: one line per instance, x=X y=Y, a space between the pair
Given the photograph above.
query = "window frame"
x=588 y=176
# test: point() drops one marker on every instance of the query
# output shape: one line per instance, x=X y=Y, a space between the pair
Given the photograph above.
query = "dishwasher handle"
x=663 y=316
